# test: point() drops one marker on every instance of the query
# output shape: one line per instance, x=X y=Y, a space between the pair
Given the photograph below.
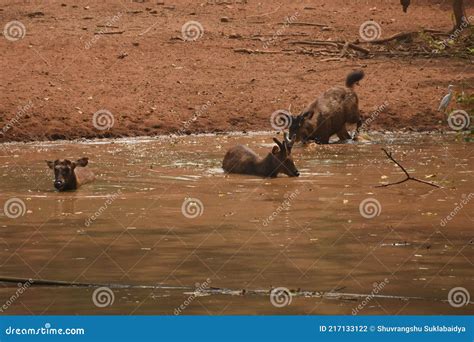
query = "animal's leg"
x=322 y=139
x=343 y=134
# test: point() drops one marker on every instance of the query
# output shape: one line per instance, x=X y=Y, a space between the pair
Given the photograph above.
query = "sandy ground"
x=152 y=82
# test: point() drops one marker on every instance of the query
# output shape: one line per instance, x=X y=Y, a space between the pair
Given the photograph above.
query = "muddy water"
x=240 y=232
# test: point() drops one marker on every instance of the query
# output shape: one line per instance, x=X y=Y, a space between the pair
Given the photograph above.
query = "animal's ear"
x=81 y=162
x=50 y=163
x=275 y=150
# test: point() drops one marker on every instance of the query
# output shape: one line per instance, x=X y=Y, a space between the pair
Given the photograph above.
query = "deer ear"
x=275 y=150
x=50 y=163
x=82 y=162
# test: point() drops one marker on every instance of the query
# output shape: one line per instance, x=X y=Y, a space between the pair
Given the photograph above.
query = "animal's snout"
x=58 y=184
x=297 y=174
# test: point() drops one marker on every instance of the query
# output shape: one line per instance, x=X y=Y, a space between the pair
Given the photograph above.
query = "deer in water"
x=241 y=159
x=67 y=176
x=329 y=113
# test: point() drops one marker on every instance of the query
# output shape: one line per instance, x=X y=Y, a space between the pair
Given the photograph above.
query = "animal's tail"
x=354 y=77
x=405 y=4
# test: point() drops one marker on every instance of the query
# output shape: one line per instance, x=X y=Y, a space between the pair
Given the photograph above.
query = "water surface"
x=306 y=234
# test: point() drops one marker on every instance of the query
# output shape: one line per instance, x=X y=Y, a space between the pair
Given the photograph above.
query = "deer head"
x=282 y=152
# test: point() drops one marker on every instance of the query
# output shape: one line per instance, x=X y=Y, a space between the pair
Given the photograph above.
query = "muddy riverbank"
x=128 y=65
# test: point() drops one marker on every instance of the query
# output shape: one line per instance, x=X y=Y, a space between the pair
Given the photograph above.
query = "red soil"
x=153 y=82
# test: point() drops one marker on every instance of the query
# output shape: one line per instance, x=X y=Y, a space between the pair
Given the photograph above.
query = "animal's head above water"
x=282 y=152
x=64 y=174
x=297 y=122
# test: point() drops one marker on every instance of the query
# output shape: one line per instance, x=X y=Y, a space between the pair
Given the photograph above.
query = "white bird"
x=446 y=99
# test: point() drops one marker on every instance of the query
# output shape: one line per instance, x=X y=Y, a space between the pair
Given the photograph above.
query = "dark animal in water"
x=67 y=176
x=241 y=159
x=329 y=113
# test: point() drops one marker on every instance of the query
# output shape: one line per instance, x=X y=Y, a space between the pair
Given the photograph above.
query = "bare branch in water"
x=408 y=177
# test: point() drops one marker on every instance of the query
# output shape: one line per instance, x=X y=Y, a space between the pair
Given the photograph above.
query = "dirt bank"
x=148 y=80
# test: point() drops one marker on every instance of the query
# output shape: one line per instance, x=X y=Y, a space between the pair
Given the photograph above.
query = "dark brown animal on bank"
x=241 y=159
x=329 y=113
x=67 y=176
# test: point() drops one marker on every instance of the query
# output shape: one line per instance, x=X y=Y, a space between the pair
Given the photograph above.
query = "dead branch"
x=358 y=48
x=337 y=44
x=249 y=51
x=344 y=50
x=408 y=177
x=314 y=42
x=401 y=35
x=110 y=32
x=333 y=59
x=107 y=26
x=301 y=23
x=301 y=34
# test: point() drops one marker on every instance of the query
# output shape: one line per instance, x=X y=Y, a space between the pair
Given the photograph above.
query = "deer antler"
x=280 y=145
x=289 y=143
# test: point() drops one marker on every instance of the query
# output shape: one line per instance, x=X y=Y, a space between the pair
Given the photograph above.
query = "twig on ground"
x=332 y=59
x=301 y=23
x=344 y=49
x=110 y=32
x=249 y=51
x=401 y=35
x=339 y=45
x=358 y=48
x=408 y=177
x=314 y=42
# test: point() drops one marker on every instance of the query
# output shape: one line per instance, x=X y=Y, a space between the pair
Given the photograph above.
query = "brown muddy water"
x=163 y=218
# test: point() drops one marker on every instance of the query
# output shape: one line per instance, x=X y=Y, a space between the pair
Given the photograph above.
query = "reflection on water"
x=240 y=232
